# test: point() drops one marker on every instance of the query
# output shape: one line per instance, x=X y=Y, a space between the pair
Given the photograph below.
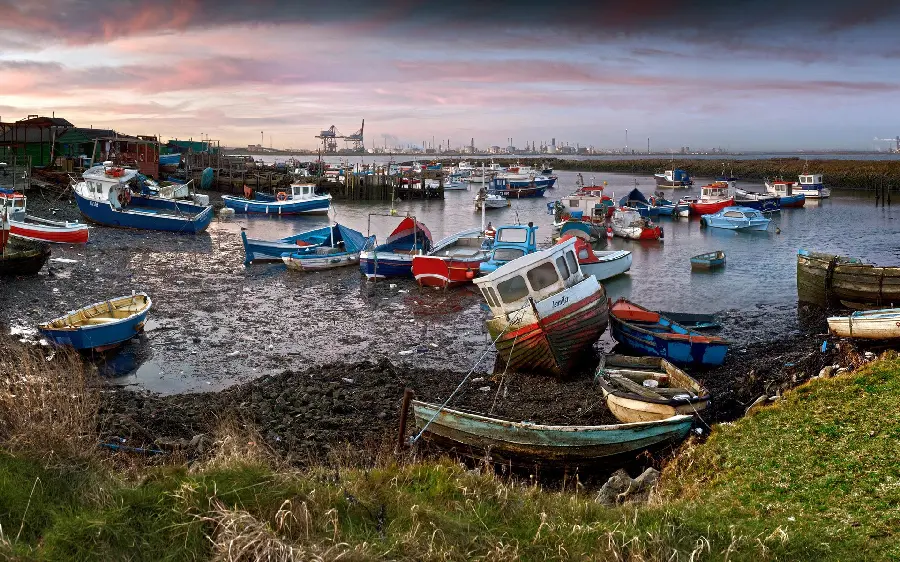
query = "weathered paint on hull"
x=318 y=263
x=544 y=442
x=385 y=265
x=876 y=325
x=681 y=351
x=62 y=234
x=627 y=410
x=140 y=214
x=435 y=271
x=825 y=279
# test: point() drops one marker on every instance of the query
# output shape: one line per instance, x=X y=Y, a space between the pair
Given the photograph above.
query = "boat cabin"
x=716 y=191
x=732 y=213
x=13 y=202
x=510 y=243
x=535 y=277
x=103 y=179
x=782 y=188
x=298 y=191
x=811 y=180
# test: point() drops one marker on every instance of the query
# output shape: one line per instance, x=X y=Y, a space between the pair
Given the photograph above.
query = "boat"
x=649 y=332
x=105 y=197
x=826 y=280
x=811 y=186
x=454 y=260
x=673 y=178
x=28 y=227
x=635 y=200
x=602 y=264
x=627 y=223
x=17 y=256
x=394 y=257
x=590 y=232
x=502 y=186
x=530 y=442
x=257 y=251
x=169 y=160
x=669 y=208
x=490 y=200
x=709 y=260
x=693 y=320
x=297 y=199
x=100 y=326
x=510 y=242
x=588 y=203
x=455 y=186
x=713 y=198
x=736 y=218
x=324 y=248
x=765 y=202
x=785 y=191
x=646 y=389
x=545 y=311
x=882 y=324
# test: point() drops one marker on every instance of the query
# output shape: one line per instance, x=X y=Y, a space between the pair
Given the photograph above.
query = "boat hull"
x=700 y=208
x=551 y=334
x=521 y=193
x=278 y=208
x=792 y=201
x=681 y=351
x=142 y=214
x=616 y=264
x=871 y=325
x=317 y=263
x=23 y=257
x=628 y=410
x=637 y=233
x=61 y=233
x=436 y=271
x=381 y=265
x=99 y=337
x=557 y=444
x=265 y=250
x=826 y=280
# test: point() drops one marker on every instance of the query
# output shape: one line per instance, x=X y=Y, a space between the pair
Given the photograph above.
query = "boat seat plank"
x=96 y=321
x=634 y=387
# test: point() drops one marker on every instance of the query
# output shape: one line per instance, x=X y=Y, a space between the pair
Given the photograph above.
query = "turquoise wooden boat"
x=709 y=260
x=548 y=443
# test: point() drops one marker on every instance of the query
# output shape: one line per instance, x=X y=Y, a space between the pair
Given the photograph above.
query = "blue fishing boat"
x=648 y=332
x=502 y=186
x=530 y=441
x=394 y=258
x=546 y=182
x=636 y=200
x=256 y=251
x=169 y=159
x=104 y=196
x=327 y=248
x=667 y=208
x=736 y=218
x=297 y=199
x=510 y=242
x=709 y=260
x=100 y=326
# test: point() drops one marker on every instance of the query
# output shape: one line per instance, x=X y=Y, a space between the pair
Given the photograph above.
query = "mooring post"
x=408 y=395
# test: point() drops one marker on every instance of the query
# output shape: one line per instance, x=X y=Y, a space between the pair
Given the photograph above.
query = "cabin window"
x=734 y=214
x=518 y=235
x=488 y=297
x=573 y=203
x=562 y=267
x=493 y=294
x=573 y=263
x=508 y=254
x=543 y=276
x=513 y=289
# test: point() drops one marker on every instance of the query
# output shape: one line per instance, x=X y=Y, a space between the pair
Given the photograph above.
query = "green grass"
x=812 y=478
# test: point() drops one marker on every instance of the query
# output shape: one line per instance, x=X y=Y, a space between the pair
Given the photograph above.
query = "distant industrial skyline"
x=744 y=76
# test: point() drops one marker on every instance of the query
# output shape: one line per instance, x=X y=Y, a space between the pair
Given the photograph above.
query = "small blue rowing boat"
x=651 y=333
x=327 y=248
x=100 y=326
x=394 y=258
x=256 y=251
x=299 y=199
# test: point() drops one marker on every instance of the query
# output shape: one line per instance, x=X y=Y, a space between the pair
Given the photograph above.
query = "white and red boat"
x=713 y=198
x=546 y=312
x=454 y=260
x=26 y=226
x=628 y=223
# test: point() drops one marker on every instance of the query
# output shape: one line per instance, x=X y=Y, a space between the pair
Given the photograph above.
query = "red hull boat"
x=701 y=208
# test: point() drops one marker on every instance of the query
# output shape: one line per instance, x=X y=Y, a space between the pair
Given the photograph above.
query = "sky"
x=737 y=74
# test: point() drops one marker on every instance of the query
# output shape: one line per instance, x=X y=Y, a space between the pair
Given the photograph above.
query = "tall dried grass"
x=49 y=401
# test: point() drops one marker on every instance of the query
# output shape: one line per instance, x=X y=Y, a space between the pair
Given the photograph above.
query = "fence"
x=15 y=170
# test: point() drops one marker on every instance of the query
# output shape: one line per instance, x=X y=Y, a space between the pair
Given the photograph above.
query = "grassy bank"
x=844 y=174
x=814 y=477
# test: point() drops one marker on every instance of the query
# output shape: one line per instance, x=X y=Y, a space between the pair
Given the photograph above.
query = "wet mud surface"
x=317 y=361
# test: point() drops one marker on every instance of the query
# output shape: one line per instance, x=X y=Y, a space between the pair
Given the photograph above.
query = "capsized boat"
x=528 y=441
x=100 y=326
x=454 y=260
x=736 y=218
x=105 y=197
x=651 y=333
x=709 y=260
x=325 y=248
x=26 y=226
x=297 y=199
x=713 y=198
x=257 y=251
x=643 y=389
x=827 y=279
x=601 y=264
x=545 y=311
x=628 y=223
x=883 y=324
x=394 y=257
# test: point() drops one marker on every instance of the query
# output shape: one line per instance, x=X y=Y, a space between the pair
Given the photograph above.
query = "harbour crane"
x=355 y=141
x=329 y=139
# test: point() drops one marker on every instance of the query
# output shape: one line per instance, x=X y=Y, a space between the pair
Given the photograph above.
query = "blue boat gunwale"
x=670 y=335
x=46 y=325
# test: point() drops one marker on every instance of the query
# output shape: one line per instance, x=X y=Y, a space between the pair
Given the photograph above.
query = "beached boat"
x=602 y=264
x=635 y=200
x=828 y=280
x=454 y=260
x=628 y=223
x=325 y=248
x=297 y=199
x=105 y=197
x=673 y=178
x=100 y=326
x=26 y=226
x=693 y=320
x=545 y=311
x=17 y=256
x=787 y=193
x=713 y=198
x=510 y=242
x=883 y=324
x=394 y=257
x=528 y=441
x=736 y=218
x=643 y=389
x=649 y=332
x=709 y=260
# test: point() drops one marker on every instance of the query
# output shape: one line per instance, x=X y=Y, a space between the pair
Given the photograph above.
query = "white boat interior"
x=101 y=313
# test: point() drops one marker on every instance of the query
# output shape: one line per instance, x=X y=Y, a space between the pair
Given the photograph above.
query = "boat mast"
x=484 y=198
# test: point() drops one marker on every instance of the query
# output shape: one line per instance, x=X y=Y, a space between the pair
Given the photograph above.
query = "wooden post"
x=408 y=395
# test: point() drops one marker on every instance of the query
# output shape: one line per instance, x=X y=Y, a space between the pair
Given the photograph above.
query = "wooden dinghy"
x=881 y=324
x=671 y=392
x=709 y=260
x=826 y=279
x=23 y=257
x=546 y=443
x=100 y=326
